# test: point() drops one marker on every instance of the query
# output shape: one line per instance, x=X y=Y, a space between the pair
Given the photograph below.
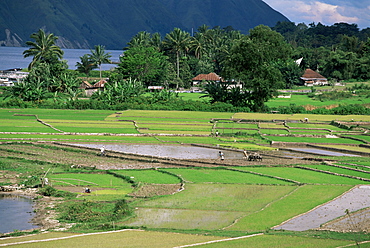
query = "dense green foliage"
x=253 y=68
x=339 y=51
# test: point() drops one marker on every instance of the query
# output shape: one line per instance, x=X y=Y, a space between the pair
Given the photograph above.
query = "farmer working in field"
x=245 y=153
x=221 y=154
x=102 y=151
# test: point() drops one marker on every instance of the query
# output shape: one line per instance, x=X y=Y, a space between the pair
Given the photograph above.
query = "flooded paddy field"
x=166 y=151
x=322 y=152
x=354 y=200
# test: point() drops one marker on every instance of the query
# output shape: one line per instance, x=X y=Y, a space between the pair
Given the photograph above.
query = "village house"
x=206 y=77
x=91 y=89
x=210 y=77
x=313 y=78
x=9 y=77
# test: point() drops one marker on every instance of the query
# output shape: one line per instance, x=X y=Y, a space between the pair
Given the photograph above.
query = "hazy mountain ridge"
x=83 y=24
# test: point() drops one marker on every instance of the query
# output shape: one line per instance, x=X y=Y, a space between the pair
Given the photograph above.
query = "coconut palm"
x=43 y=49
x=156 y=41
x=177 y=41
x=140 y=39
x=198 y=45
x=86 y=65
x=99 y=56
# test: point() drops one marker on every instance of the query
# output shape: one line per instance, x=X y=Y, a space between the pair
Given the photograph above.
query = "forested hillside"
x=83 y=24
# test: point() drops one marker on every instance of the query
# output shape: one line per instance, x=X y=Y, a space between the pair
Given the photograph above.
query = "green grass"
x=78 y=138
x=304 y=100
x=278 y=241
x=191 y=115
x=194 y=97
x=271 y=125
x=87 y=179
x=236 y=125
x=309 y=132
x=350 y=148
x=220 y=197
x=223 y=176
x=363 y=137
x=176 y=127
x=300 y=117
x=148 y=176
x=303 y=176
x=60 y=114
x=355 y=166
x=126 y=238
x=24 y=124
x=339 y=170
x=246 y=146
x=186 y=218
x=313 y=140
x=300 y=201
x=274 y=131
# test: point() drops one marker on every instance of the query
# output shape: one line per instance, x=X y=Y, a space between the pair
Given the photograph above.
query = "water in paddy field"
x=323 y=152
x=177 y=152
x=12 y=57
x=16 y=213
x=354 y=200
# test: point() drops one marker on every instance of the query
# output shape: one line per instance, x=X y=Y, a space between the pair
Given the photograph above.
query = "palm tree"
x=177 y=41
x=140 y=39
x=99 y=56
x=197 y=45
x=43 y=49
x=156 y=41
x=86 y=65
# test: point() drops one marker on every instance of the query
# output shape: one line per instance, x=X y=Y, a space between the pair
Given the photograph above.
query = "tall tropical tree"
x=99 y=56
x=86 y=65
x=178 y=42
x=156 y=41
x=140 y=39
x=198 y=45
x=43 y=49
x=253 y=61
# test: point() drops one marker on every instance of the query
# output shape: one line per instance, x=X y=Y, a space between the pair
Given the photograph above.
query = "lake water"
x=16 y=213
x=12 y=57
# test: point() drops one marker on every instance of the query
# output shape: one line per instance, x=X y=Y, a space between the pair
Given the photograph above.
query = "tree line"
x=262 y=61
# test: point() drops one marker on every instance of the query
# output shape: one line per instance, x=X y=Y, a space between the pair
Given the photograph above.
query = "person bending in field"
x=102 y=151
x=221 y=154
x=245 y=154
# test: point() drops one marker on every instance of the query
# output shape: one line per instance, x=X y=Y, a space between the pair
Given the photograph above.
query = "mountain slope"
x=83 y=24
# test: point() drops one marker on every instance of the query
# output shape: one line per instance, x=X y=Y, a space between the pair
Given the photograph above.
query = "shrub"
x=121 y=209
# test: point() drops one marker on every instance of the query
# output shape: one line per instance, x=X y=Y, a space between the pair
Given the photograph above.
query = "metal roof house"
x=312 y=78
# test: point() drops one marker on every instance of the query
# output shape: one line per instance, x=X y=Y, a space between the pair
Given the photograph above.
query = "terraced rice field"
x=341 y=171
x=224 y=176
x=303 y=176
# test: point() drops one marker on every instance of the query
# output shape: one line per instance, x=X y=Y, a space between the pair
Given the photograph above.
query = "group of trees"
x=340 y=51
x=49 y=77
x=261 y=61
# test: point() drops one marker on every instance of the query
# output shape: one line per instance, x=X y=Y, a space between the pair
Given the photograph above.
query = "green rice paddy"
x=297 y=202
x=149 y=176
x=304 y=176
x=223 y=176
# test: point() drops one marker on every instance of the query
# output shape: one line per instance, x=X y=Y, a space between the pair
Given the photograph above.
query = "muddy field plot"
x=69 y=156
x=353 y=200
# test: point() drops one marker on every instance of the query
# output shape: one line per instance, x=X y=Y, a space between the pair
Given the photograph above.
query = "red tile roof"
x=310 y=74
x=207 y=77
